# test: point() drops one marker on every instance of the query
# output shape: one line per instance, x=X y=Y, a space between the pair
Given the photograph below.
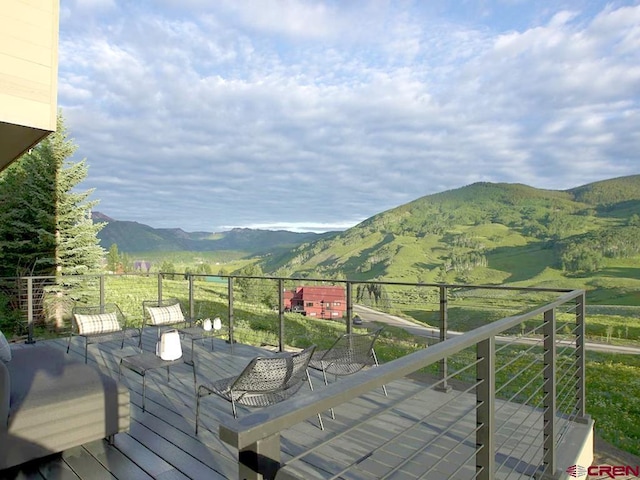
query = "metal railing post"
x=444 y=326
x=281 y=314
x=102 y=291
x=230 y=306
x=192 y=309
x=549 y=392
x=30 y=311
x=159 y=288
x=581 y=357
x=349 y=307
x=260 y=460
x=485 y=409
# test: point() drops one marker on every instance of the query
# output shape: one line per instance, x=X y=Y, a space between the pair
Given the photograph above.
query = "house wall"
x=320 y=302
x=28 y=74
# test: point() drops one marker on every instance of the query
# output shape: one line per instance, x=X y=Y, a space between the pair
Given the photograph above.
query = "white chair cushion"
x=5 y=349
x=166 y=315
x=97 y=323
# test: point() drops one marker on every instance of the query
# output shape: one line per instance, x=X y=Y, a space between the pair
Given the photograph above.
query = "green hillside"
x=489 y=234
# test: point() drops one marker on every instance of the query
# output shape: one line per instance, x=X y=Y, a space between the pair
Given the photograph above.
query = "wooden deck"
x=415 y=432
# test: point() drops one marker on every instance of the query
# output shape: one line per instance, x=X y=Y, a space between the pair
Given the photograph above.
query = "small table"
x=141 y=363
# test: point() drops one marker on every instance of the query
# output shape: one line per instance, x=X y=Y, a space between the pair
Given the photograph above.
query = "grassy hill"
x=489 y=233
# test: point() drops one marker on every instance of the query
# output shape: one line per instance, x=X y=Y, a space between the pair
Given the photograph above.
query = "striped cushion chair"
x=100 y=323
x=164 y=313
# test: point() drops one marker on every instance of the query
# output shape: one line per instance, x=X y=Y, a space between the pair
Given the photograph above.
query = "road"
x=369 y=315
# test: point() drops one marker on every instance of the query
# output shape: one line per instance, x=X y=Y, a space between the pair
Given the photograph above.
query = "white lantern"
x=169 y=347
x=217 y=323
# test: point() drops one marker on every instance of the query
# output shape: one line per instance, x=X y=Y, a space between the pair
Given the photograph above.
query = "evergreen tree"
x=27 y=219
x=78 y=248
x=113 y=258
x=45 y=226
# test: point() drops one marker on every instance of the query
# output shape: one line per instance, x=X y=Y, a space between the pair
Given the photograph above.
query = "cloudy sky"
x=313 y=115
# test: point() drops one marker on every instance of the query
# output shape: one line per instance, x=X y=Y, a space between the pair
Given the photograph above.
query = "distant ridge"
x=138 y=237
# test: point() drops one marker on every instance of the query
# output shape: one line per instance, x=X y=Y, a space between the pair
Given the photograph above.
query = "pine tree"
x=27 y=219
x=113 y=258
x=46 y=226
x=78 y=248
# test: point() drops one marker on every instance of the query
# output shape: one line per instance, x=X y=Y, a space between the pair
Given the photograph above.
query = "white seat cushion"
x=166 y=315
x=97 y=323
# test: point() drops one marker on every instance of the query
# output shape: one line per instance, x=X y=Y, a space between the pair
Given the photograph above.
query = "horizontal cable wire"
x=566 y=400
x=570 y=418
x=533 y=410
x=568 y=372
x=531 y=427
x=407 y=460
x=516 y=375
x=522 y=389
x=378 y=413
x=519 y=355
x=463 y=463
x=417 y=422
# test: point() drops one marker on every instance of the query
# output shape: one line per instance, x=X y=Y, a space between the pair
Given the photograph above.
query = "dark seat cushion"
x=57 y=403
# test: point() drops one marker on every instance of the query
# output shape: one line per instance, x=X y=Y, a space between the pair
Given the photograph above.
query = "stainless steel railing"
x=543 y=406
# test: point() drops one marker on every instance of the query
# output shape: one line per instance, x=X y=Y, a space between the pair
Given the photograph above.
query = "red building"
x=321 y=302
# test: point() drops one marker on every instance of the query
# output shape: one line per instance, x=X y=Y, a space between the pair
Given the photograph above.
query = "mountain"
x=137 y=237
x=482 y=233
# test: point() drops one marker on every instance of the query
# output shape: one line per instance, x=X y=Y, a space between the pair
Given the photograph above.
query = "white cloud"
x=195 y=114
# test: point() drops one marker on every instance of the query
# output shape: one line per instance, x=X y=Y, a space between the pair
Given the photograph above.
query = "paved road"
x=369 y=315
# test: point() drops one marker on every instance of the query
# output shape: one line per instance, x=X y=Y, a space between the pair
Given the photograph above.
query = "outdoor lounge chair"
x=169 y=313
x=100 y=323
x=264 y=381
x=164 y=313
x=349 y=354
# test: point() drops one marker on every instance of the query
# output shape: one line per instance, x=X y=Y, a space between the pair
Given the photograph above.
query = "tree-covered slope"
x=609 y=192
x=137 y=237
x=481 y=233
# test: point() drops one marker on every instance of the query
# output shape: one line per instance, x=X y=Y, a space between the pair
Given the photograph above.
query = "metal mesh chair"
x=100 y=323
x=349 y=354
x=264 y=381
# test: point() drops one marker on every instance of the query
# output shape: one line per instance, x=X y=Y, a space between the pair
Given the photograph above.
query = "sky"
x=315 y=115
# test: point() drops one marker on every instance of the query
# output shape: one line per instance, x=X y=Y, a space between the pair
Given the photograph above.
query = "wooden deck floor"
x=372 y=437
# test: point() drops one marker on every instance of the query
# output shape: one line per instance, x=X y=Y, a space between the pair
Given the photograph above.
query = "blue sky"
x=314 y=115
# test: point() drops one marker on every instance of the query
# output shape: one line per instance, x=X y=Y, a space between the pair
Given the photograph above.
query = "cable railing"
x=487 y=432
x=509 y=388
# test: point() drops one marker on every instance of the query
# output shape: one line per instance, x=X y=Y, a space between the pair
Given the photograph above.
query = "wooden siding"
x=28 y=74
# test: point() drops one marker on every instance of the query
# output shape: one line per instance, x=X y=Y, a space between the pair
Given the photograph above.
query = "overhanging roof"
x=16 y=140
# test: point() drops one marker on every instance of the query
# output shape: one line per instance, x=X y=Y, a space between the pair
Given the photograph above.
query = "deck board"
x=85 y=465
x=161 y=443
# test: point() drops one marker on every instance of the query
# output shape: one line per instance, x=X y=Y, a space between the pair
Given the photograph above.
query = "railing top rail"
x=269 y=421
x=325 y=280
x=384 y=282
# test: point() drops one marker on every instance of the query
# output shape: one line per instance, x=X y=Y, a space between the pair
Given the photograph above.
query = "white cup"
x=217 y=323
x=207 y=324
